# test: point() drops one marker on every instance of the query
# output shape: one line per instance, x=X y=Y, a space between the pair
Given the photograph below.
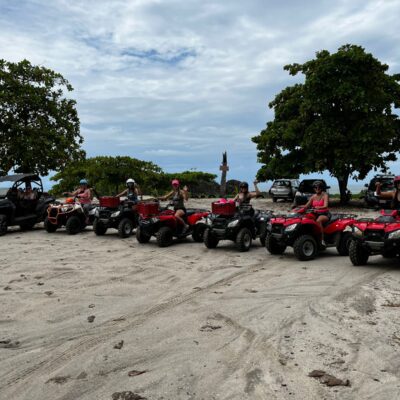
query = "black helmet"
x=244 y=185
x=318 y=184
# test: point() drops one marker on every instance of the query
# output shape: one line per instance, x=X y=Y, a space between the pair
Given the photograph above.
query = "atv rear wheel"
x=3 y=225
x=50 y=228
x=243 y=239
x=73 y=225
x=141 y=236
x=344 y=244
x=125 y=228
x=198 y=233
x=210 y=239
x=273 y=246
x=164 y=237
x=305 y=248
x=358 y=255
x=99 y=227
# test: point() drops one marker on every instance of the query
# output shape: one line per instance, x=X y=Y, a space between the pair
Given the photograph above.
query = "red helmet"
x=396 y=179
x=175 y=182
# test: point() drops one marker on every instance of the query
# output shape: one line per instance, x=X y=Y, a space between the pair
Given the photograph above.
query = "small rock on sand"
x=119 y=345
x=91 y=318
x=327 y=379
x=127 y=395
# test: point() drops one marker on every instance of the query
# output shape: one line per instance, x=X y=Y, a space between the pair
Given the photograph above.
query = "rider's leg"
x=179 y=214
x=321 y=220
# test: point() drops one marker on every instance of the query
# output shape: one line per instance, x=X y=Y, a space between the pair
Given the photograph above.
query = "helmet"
x=130 y=181
x=318 y=184
x=83 y=182
x=244 y=185
x=175 y=182
x=396 y=180
x=69 y=200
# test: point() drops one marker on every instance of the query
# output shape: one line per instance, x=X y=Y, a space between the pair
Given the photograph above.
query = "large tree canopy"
x=341 y=119
x=39 y=126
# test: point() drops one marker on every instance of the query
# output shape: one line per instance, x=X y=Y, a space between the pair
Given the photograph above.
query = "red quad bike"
x=301 y=231
x=162 y=223
x=375 y=236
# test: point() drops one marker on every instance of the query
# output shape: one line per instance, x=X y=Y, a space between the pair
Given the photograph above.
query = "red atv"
x=162 y=223
x=375 y=236
x=301 y=231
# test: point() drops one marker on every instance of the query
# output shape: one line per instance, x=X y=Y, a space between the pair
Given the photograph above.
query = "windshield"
x=281 y=183
x=387 y=184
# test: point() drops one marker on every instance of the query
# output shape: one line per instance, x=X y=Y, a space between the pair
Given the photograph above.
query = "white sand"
x=204 y=324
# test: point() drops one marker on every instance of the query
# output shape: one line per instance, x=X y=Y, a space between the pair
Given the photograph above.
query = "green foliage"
x=109 y=174
x=341 y=119
x=39 y=127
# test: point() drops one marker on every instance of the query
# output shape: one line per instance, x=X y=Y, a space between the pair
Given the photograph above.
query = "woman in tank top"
x=244 y=196
x=178 y=197
x=319 y=202
x=394 y=195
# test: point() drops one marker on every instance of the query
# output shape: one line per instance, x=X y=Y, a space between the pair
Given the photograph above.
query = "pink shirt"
x=85 y=197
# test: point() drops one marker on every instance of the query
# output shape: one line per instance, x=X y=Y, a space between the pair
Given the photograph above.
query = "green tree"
x=39 y=126
x=108 y=174
x=341 y=119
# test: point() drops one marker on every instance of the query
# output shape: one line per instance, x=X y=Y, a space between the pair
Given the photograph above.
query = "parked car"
x=22 y=201
x=306 y=190
x=284 y=189
x=370 y=198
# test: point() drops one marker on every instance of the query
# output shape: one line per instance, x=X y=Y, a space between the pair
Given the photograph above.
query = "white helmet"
x=130 y=180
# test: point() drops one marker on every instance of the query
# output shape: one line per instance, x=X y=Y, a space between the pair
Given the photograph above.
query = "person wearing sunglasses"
x=393 y=195
x=178 y=197
x=319 y=203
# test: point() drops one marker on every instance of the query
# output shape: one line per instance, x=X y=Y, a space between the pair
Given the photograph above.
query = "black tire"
x=142 y=237
x=198 y=233
x=99 y=227
x=3 y=225
x=358 y=255
x=305 y=248
x=73 y=225
x=344 y=244
x=263 y=238
x=50 y=228
x=273 y=246
x=164 y=237
x=27 y=226
x=274 y=199
x=243 y=239
x=210 y=239
x=125 y=228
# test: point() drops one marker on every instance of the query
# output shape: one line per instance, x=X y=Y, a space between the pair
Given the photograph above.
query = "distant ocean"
x=353 y=188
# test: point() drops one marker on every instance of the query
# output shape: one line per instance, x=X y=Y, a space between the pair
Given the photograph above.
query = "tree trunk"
x=342 y=181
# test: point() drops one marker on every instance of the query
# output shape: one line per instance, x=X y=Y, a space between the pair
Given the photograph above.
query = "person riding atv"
x=178 y=197
x=83 y=194
x=393 y=195
x=319 y=203
x=132 y=191
x=244 y=196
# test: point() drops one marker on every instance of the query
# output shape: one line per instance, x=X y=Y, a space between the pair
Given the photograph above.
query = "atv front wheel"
x=164 y=237
x=358 y=255
x=125 y=228
x=99 y=227
x=73 y=225
x=273 y=246
x=243 y=240
x=3 y=225
x=344 y=244
x=50 y=228
x=141 y=236
x=305 y=248
x=210 y=239
x=198 y=233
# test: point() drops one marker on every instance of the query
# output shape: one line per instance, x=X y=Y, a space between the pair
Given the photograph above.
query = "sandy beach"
x=186 y=322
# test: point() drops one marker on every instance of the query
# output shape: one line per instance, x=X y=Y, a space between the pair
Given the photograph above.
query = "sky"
x=179 y=82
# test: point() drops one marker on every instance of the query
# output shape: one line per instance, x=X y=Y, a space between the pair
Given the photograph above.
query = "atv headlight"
x=291 y=228
x=357 y=231
x=154 y=220
x=394 y=234
x=208 y=221
x=233 y=223
x=115 y=214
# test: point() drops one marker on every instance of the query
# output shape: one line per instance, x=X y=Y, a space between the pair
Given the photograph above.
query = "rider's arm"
x=185 y=193
x=123 y=193
x=309 y=202
x=166 y=197
x=138 y=192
